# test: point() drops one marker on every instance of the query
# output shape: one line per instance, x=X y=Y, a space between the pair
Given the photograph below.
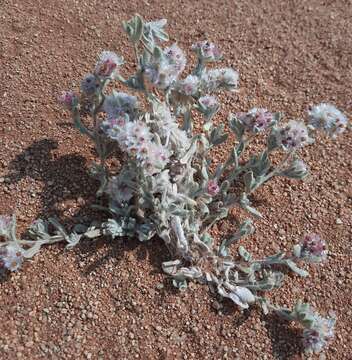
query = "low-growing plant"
x=169 y=186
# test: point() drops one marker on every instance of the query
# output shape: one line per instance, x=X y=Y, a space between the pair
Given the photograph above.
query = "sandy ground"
x=110 y=300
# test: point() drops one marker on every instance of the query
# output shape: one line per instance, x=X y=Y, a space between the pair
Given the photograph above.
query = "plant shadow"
x=65 y=179
x=285 y=339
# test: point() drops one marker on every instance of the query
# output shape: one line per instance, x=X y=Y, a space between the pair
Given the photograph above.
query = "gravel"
x=104 y=300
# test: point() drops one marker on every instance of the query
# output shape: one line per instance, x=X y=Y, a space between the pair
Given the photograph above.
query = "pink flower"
x=293 y=135
x=68 y=99
x=207 y=51
x=256 y=120
x=313 y=248
x=107 y=64
x=212 y=187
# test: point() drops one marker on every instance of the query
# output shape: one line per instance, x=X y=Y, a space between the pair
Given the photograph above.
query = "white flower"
x=256 y=119
x=119 y=103
x=316 y=337
x=11 y=256
x=164 y=72
x=208 y=102
x=293 y=136
x=328 y=118
x=107 y=64
x=157 y=158
x=114 y=126
x=214 y=79
x=189 y=86
x=176 y=58
x=207 y=51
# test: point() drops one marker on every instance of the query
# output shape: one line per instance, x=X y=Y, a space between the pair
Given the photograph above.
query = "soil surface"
x=110 y=300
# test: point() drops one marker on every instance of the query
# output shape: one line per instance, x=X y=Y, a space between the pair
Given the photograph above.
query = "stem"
x=274 y=172
x=199 y=68
x=135 y=49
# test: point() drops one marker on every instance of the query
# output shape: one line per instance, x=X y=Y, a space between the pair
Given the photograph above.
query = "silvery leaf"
x=296 y=269
x=249 y=181
x=236 y=126
x=246 y=256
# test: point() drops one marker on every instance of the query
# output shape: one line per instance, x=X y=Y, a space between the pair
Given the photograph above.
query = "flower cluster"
x=188 y=86
x=119 y=104
x=68 y=99
x=207 y=51
x=215 y=79
x=313 y=248
x=164 y=71
x=316 y=336
x=208 y=103
x=11 y=257
x=327 y=118
x=293 y=136
x=107 y=64
x=256 y=119
x=135 y=138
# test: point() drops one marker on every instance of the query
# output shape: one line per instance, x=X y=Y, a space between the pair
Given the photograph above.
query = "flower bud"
x=316 y=336
x=68 y=99
x=213 y=187
x=297 y=170
x=312 y=248
x=89 y=84
x=5 y=224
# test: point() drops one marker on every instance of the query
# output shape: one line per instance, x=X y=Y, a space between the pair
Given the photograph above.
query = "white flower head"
x=119 y=189
x=120 y=103
x=189 y=86
x=316 y=337
x=11 y=256
x=328 y=118
x=207 y=51
x=215 y=79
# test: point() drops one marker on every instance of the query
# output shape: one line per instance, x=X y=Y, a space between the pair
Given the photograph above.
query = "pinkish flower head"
x=107 y=64
x=208 y=102
x=207 y=51
x=256 y=120
x=68 y=99
x=189 y=86
x=313 y=248
x=316 y=337
x=293 y=136
x=212 y=187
